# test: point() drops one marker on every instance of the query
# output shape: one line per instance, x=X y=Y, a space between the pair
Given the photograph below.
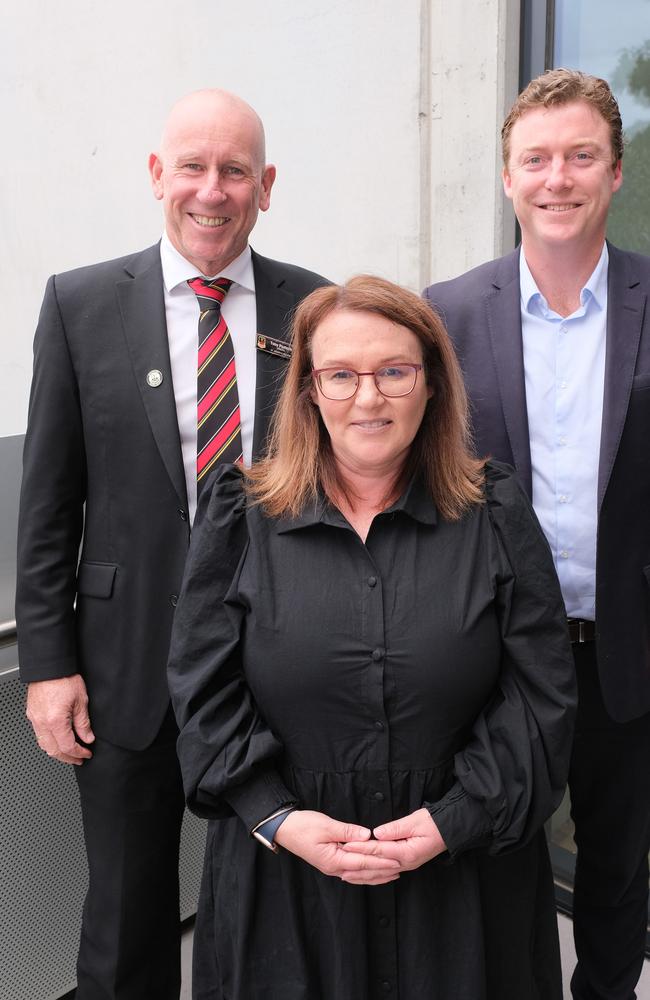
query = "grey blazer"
x=482 y=312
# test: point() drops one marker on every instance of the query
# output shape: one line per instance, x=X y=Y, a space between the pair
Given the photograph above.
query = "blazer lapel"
x=503 y=305
x=142 y=307
x=274 y=304
x=625 y=308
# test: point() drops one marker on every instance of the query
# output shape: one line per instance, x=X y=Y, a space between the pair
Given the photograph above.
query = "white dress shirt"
x=182 y=312
x=564 y=368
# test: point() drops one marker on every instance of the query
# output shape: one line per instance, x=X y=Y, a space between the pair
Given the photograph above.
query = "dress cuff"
x=462 y=821
x=263 y=795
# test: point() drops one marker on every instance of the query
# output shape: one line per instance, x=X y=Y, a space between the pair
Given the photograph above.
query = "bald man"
x=108 y=496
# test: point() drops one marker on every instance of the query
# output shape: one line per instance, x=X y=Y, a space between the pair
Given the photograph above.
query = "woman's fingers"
x=411 y=841
x=397 y=850
x=362 y=869
x=316 y=838
x=357 y=861
x=368 y=878
x=345 y=850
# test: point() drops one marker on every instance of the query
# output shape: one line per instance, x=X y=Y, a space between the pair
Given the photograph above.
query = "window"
x=612 y=40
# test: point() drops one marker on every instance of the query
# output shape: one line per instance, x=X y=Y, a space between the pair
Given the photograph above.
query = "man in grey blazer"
x=108 y=495
x=554 y=341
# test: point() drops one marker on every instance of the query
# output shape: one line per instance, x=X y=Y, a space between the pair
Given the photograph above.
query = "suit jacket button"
x=183 y=514
x=173 y=600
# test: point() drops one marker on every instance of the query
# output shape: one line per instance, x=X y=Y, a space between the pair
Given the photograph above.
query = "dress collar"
x=415 y=502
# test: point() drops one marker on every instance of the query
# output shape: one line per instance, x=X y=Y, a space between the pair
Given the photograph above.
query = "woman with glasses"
x=372 y=678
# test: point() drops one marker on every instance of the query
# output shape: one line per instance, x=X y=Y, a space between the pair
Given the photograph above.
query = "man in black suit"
x=554 y=340
x=110 y=466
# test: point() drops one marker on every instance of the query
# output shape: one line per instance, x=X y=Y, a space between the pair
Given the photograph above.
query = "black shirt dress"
x=429 y=666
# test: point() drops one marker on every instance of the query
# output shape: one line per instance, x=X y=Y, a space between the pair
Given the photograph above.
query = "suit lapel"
x=274 y=304
x=503 y=305
x=142 y=307
x=625 y=308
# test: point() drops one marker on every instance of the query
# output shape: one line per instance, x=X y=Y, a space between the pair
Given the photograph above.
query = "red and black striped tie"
x=218 y=420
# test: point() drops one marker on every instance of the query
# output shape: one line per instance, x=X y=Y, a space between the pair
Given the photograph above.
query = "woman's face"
x=371 y=434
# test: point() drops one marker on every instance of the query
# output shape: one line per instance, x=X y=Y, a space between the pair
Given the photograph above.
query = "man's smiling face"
x=560 y=177
x=211 y=178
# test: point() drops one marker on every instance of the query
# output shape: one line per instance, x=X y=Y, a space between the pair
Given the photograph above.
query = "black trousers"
x=132 y=809
x=609 y=783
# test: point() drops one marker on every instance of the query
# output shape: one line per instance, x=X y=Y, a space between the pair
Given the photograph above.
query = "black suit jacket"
x=103 y=469
x=482 y=312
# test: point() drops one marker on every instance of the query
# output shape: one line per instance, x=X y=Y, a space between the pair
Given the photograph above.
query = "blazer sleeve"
x=226 y=750
x=511 y=775
x=52 y=499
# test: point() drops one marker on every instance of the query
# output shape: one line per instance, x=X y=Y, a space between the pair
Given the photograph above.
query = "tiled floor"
x=566 y=945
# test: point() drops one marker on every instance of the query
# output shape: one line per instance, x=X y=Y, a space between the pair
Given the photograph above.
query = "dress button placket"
x=378 y=784
x=381 y=901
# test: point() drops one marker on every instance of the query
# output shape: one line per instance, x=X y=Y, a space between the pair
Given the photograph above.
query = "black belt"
x=581 y=630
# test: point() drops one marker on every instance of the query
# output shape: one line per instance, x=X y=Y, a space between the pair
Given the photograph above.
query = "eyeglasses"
x=342 y=383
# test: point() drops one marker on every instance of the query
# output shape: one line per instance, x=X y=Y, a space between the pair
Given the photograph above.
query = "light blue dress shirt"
x=564 y=368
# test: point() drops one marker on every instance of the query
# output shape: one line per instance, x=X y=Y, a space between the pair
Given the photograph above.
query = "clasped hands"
x=356 y=854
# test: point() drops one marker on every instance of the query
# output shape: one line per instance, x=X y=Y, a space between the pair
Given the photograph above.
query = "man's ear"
x=268 y=177
x=507 y=182
x=155 y=172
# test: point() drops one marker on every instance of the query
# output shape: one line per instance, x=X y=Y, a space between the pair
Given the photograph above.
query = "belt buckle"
x=580 y=631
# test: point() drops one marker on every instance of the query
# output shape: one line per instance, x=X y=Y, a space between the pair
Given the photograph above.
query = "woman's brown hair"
x=300 y=459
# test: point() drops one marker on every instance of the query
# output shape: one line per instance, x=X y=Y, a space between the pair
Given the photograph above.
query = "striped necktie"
x=218 y=420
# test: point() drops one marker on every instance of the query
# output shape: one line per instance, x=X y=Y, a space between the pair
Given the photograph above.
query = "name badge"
x=277 y=347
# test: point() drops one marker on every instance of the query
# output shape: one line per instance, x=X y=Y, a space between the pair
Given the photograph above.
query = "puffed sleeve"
x=226 y=750
x=511 y=775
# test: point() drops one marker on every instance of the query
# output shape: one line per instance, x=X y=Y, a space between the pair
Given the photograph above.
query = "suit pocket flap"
x=641 y=381
x=96 y=579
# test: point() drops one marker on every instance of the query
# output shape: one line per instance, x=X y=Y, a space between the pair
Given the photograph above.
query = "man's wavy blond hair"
x=564 y=86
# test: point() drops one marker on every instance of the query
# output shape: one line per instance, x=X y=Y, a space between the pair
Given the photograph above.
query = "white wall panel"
x=366 y=179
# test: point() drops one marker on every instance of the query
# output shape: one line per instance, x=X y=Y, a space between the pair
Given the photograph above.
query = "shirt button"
x=379 y=725
x=379 y=796
x=561 y=440
x=384 y=921
x=372 y=581
x=564 y=554
x=563 y=385
x=377 y=653
x=173 y=600
x=563 y=498
x=182 y=514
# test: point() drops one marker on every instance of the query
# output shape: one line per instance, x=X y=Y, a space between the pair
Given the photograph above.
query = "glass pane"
x=612 y=40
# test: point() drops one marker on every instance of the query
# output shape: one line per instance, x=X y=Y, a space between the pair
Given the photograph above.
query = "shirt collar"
x=177 y=270
x=595 y=288
x=415 y=501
